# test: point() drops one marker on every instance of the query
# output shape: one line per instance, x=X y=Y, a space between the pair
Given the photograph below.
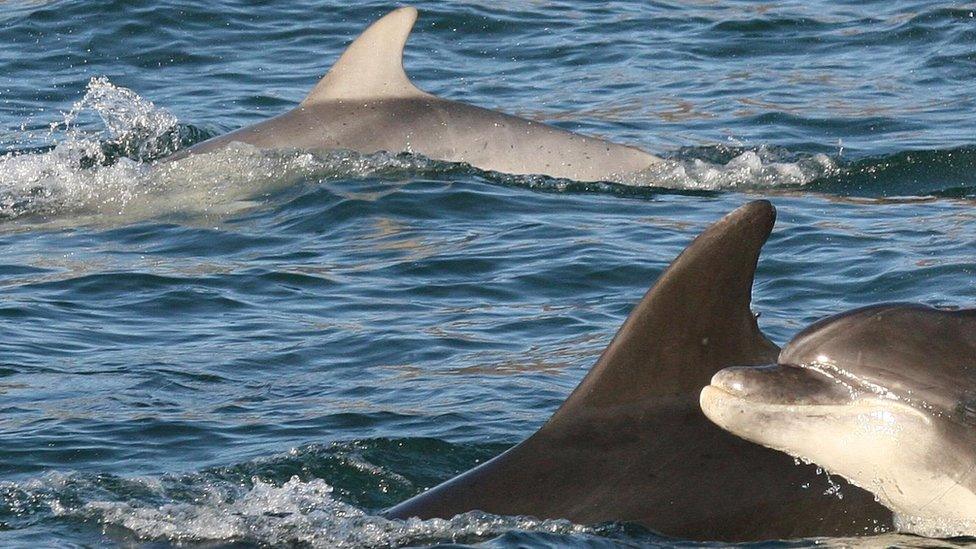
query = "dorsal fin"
x=631 y=444
x=693 y=322
x=372 y=66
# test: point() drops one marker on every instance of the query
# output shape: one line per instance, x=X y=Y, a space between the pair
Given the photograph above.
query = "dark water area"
x=255 y=348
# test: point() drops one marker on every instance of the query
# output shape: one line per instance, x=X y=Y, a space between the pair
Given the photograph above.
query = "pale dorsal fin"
x=694 y=321
x=372 y=66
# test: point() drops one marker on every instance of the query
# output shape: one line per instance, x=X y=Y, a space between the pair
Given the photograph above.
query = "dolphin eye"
x=967 y=407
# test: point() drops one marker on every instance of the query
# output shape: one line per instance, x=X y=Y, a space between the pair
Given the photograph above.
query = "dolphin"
x=631 y=444
x=366 y=103
x=884 y=396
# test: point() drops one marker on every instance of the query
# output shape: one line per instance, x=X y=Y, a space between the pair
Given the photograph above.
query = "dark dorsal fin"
x=693 y=322
x=630 y=444
x=372 y=66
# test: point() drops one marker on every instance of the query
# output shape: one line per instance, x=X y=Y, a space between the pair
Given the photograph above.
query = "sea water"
x=267 y=348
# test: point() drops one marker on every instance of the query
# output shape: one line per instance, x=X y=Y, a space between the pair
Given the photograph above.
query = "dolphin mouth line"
x=728 y=399
x=736 y=394
x=769 y=404
x=786 y=385
x=736 y=413
x=725 y=393
x=724 y=407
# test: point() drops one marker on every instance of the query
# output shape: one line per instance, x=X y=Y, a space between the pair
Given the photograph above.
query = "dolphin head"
x=884 y=396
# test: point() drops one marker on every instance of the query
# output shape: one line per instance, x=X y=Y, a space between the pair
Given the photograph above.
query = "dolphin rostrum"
x=366 y=103
x=884 y=396
x=631 y=444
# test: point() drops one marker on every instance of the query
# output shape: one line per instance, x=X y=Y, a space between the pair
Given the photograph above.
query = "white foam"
x=296 y=512
x=759 y=169
x=71 y=176
x=77 y=179
x=934 y=527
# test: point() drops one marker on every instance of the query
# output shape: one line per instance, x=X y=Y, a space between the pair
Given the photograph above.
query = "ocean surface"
x=256 y=348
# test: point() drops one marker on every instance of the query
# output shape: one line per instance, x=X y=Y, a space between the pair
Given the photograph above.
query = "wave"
x=949 y=173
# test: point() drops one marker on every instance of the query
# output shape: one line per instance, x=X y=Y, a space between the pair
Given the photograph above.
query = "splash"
x=131 y=126
x=219 y=505
x=704 y=169
x=100 y=167
x=85 y=167
x=763 y=168
x=302 y=513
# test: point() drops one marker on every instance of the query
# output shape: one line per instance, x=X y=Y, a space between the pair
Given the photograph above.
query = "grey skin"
x=366 y=103
x=884 y=396
x=631 y=444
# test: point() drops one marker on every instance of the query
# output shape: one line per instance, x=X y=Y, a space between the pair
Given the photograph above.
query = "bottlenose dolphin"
x=631 y=444
x=366 y=103
x=884 y=396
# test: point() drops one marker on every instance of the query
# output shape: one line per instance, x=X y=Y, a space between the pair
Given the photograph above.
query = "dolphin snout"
x=780 y=384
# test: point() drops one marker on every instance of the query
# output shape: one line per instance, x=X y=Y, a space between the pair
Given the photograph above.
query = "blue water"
x=266 y=348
